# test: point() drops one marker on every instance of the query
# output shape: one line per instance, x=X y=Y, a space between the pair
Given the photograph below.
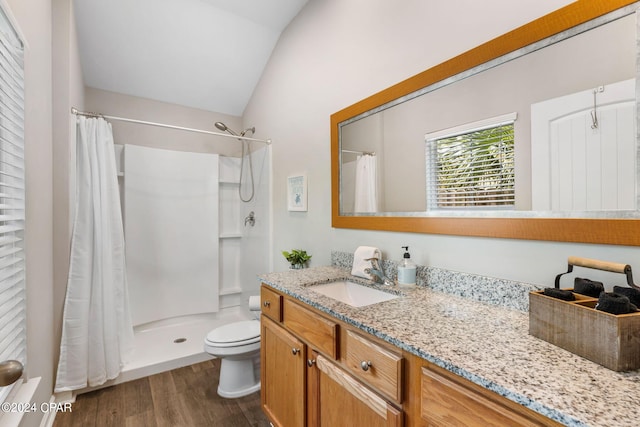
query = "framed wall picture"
x=297 y=193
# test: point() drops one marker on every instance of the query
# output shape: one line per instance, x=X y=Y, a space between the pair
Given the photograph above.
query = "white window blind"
x=472 y=166
x=12 y=196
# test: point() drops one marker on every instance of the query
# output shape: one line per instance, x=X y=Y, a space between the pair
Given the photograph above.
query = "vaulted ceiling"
x=206 y=54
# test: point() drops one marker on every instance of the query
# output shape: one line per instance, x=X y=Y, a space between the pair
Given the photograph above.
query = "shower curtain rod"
x=364 y=153
x=77 y=112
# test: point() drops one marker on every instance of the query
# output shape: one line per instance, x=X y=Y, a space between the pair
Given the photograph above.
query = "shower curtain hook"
x=594 y=112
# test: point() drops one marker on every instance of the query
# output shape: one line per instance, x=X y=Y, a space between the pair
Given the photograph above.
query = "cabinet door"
x=343 y=401
x=283 y=362
x=313 y=389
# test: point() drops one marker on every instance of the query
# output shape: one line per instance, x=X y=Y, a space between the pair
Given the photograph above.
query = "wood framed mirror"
x=607 y=230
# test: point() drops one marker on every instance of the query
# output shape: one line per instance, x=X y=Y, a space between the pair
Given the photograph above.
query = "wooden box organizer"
x=612 y=341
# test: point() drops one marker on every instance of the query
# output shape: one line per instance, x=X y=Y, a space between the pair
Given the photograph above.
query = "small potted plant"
x=297 y=258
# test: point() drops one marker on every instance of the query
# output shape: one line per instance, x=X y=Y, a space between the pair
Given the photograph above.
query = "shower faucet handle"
x=251 y=219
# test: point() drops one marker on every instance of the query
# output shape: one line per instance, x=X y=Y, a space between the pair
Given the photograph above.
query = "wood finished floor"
x=182 y=397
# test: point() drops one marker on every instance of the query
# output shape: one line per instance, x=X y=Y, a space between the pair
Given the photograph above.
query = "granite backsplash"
x=491 y=290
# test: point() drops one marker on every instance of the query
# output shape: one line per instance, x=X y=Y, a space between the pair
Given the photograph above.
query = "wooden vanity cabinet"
x=305 y=382
x=320 y=372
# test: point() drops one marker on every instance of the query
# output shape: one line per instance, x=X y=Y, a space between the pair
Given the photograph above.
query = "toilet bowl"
x=238 y=346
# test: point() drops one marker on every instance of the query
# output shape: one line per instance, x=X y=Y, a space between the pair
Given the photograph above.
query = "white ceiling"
x=206 y=54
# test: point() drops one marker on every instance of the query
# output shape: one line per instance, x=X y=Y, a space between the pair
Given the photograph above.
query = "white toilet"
x=238 y=346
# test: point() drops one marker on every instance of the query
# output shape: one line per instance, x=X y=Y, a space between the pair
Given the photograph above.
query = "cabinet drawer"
x=271 y=304
x=321 y=333
x=447 y=400
x=374 y=364
x=346 y=402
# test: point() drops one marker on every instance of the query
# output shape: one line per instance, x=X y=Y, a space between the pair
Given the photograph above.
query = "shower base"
x=172 y=343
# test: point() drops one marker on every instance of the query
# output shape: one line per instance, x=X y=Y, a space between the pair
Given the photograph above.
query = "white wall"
x=337 y=52
x=68 y=91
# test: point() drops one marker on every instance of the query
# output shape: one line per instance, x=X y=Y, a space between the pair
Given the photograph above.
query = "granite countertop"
x=486 y=344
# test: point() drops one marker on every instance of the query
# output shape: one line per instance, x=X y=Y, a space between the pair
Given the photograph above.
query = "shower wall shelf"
x=230 y=236
x=231 y=291
x=230 y=232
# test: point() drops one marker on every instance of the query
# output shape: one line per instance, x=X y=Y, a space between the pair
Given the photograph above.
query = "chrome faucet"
x=377 y=272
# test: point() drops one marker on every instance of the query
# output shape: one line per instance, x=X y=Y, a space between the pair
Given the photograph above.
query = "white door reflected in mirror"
x=577 y=140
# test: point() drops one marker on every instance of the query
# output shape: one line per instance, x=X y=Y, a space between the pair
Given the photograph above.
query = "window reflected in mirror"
x=472 y=166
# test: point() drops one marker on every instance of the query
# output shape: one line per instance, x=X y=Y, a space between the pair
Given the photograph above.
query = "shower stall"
x=194 y=246
x=192 y=259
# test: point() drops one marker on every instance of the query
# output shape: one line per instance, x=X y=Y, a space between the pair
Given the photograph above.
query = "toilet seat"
x=235 y=334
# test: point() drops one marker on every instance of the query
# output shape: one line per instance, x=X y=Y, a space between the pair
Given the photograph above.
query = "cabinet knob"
x=266 y=303
x=311 y=362
x=365 y=365
x=295 y=351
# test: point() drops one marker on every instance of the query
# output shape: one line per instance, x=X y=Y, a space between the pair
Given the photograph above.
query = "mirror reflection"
x=571 y=106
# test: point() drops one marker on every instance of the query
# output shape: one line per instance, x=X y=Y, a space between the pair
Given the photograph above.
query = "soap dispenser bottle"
x=406 y=270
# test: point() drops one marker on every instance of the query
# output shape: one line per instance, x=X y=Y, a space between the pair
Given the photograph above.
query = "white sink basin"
x=352 y=293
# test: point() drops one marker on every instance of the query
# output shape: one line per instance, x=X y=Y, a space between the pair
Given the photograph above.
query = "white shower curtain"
x=366 y=194
x=97 y=334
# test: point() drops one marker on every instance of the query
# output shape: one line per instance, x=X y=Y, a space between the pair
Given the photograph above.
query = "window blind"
x=12 y=198
x=472 y=169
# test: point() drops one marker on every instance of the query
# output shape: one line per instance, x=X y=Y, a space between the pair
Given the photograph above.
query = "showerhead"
x=224 y=128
